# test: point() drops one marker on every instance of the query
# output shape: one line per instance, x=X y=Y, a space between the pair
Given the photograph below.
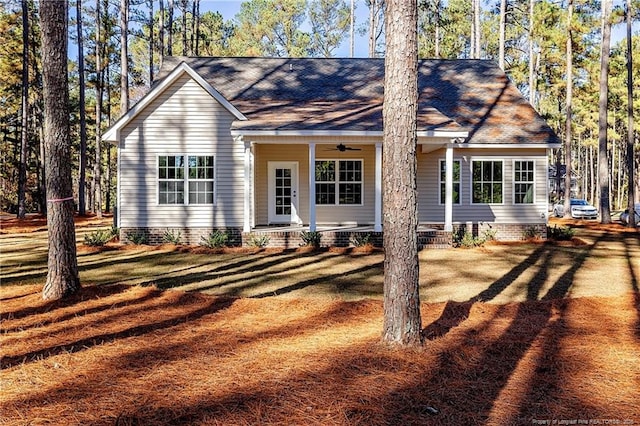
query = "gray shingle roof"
x=347 y=94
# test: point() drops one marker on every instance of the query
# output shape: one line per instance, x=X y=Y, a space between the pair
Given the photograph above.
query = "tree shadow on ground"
x=455 y=313
x=85 y=293
x=211 y=307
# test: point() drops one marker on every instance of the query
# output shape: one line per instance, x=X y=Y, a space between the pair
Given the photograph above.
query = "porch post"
x=248 y=211
x=448 y=189
x=377 y=227
x=312 y=187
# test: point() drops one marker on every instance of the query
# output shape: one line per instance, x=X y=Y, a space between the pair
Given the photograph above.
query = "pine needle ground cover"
x=533 y=339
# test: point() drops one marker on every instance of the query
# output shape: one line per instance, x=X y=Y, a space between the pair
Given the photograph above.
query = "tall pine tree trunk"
x=532 y=84
x=185 y=6
x=124 y=57
x=402 y=322
x=436 y=30
x=603 y=159
x=630 y=149
x=62 y=276
x=97 y=187
x=151 y=46
x=170 y=28
x=82 y=204
x=502 y=30
x=568 y=110
x=161 y=30
x=24 y=133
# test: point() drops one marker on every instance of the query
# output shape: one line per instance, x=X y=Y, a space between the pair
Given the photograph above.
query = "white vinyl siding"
x=325 y=214
x=430 y=210
x=183 y=120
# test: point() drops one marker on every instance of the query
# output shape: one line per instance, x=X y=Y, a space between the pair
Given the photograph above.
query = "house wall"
x=362 y=214
x=431 y=211
x=183 y=120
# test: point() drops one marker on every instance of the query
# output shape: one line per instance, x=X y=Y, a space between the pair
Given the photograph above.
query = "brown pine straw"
x=123 y=355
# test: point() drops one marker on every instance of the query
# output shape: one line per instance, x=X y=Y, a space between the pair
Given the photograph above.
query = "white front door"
x=283 y=192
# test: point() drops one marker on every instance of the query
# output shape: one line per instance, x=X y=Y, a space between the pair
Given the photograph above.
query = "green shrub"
x=361 y=240
x=98 y=238
x=563 y=233
x=530 y=233
x=463 y=238
x=489 y=234
x=137 y=237
x=258 y=240
x=171 y=237
x=311 y=238
x=215 y=239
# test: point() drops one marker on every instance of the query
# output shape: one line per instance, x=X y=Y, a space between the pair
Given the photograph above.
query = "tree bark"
x=352 y=28
x=532 y=84
x=476 y=27
x=402 y=322
x=82 y=204
x=170 y=25
x=197 y=30
x=161 y=30
x=124 y=57
x=97 y=187
x=62 y=277
x=24 y=131
x=502 y=30
x=603 y=163
x=630 y=148
x=150 y=6
x=568 y=110
x=185 y=6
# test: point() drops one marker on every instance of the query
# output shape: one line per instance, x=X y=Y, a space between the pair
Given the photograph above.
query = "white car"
x=580 y=209
x=624 y=216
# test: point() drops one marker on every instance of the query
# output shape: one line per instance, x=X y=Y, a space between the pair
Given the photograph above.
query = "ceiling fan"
x=342 y=148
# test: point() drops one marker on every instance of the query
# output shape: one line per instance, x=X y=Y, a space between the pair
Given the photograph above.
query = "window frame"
x=531 y=182
x=442 y=182
x=472 y=182
x=337 y=182
x=186 y=180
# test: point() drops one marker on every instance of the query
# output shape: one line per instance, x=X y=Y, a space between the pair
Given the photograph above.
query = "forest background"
x=117 y=46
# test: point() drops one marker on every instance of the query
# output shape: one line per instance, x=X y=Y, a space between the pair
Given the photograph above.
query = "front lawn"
x=514 y=334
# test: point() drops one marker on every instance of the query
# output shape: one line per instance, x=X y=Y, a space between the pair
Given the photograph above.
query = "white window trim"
x=186 y=179
x=338 y=182
x=441 y=182
x=513 y=188
x=494 y=159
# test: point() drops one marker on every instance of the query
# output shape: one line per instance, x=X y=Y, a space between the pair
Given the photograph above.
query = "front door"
x=283 y=192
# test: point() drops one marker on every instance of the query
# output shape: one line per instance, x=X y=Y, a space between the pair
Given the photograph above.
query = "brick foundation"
x=434 y=237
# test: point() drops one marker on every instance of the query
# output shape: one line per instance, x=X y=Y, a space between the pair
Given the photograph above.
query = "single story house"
x=281 y=145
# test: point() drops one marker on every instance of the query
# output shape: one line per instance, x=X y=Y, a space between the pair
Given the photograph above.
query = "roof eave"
x=438 y=133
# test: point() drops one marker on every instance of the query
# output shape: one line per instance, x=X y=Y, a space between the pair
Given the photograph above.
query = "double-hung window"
x=171 y=179
x=523 y=177
x=201 y=179
x=487 y=185
x=339 y=182
x=186 y=179
x=456 y=181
